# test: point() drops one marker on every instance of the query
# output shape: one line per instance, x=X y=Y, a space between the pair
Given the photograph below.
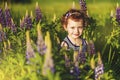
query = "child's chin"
x=76 y=37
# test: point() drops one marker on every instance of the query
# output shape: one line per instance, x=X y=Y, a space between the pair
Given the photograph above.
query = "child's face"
x=74 y=28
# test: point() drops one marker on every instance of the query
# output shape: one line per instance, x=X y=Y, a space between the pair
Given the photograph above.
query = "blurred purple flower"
x=81 y=55
x=2 y=34
x=76 y=72
x=38 y=13
x=28 y=22
x=2 y=18
x=91 y=48
x=67 y=61
x=99 y=70
x=7 y=16
x=83 y=5
x=118 y=14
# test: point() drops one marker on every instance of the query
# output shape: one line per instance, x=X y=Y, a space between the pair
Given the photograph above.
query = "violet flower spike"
x=118 y=14
x=7 y=16
x=2 y=18
x=38 y=13
x=2 y=34
x=28 y=21
x=83 y=5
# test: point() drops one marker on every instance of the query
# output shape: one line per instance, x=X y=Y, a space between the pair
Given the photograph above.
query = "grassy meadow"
x=102 y=29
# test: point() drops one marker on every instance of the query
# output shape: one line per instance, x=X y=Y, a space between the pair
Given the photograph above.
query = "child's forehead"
x=75 y=20
x=72 y=22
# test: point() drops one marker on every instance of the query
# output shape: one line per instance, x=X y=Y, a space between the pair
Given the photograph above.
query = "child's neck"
x=75 y=41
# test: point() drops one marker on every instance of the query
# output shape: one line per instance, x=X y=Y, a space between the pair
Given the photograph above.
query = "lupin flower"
x=28 y=21
x=40 y=42
x=31 y=15
x=76 y=72
x=83 y=5
x=111 y=14
x=67 y=61
x=38 y=13
x=91 y=47
x=92 y=62
x=2 y=34
x=29 y=50
x=7 y=16
x=76 y=58
x=2 y=19
x=9 y=44
x=54 y=17
x=48 y=62
x=118 y=13
x=22 y=23
x=13 y=26
x=81 y=55
x=99 y=70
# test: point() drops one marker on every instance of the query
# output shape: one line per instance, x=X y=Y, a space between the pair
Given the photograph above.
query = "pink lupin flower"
x=48 y=62
x=29 y=50
x=40 y=42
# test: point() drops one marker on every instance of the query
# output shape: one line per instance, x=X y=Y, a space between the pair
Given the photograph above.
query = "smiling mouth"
x=76 y=34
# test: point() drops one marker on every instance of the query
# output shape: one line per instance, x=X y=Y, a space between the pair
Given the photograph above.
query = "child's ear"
x=65 y=28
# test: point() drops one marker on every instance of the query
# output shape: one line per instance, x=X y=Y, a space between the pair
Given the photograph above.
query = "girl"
x=73 y=22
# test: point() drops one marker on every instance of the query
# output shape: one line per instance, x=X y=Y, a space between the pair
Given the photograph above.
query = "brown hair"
x=75 y=15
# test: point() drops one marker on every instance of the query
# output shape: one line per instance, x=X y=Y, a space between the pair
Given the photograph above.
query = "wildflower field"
x=30 y=36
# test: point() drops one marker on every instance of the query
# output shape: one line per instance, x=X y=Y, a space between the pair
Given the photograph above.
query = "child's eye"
x=72 y=27
x=80 y=27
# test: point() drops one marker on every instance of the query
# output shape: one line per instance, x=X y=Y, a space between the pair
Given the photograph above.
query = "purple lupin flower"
x=38 y=14
x=81 y=55
x=83 y=5
x=28 y=21
x=2 y=19
x=118 y=14
x=91 y=47
x=7 y=16
x=67 y=61
x=2 y=34
x=99 y=70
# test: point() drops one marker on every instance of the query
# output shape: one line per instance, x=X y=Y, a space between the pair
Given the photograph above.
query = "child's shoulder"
x=64 y=43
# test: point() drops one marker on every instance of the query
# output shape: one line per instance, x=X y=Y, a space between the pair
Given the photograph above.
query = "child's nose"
x=76 y=30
